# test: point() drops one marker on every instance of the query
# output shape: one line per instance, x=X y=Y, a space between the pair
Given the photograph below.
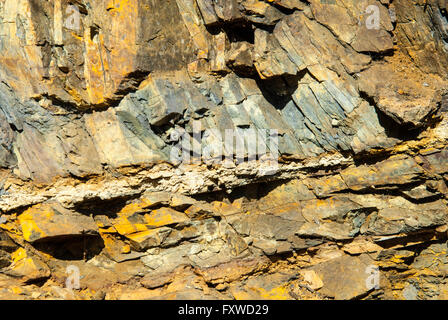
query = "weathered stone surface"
x=27 y=267
x=436 y=162
x=264 y=287
x=148 y=239
x=231 y=271
x=402 y=216
x=115 y=117
x=92 y=277
x=389 y=172
x=352 y=23
x=329 y=114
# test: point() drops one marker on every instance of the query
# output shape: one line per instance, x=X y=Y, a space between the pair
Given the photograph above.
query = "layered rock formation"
x=94 y=96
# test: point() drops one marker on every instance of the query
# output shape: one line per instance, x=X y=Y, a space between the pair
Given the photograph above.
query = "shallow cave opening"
x=73 y=247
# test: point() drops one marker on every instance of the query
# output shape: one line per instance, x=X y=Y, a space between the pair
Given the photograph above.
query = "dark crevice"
x=236 y=31
x=74 y=247
x=329 y=169
x=14 y=128
x=284 y=10
x=379 y=56
x=424 y=235
x=39 y=282
x=243 y=71
x=65 y=105
x=365 y=295
x=265 y=27
x=393 y=190
x=131 y=82
x=284 y=256
x=250 y=192
x=94 y=31
x=278 y=91
x=97 y=206
x=423 y=200
x=366 y=158
x=402 y=132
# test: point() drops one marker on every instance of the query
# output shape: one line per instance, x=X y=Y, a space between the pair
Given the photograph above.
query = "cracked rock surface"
x=93 y=93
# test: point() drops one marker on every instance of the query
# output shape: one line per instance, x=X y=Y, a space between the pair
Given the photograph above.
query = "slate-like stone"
x=47 y=221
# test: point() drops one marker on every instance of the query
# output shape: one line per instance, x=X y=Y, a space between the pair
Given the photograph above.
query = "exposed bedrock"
x=99 y=99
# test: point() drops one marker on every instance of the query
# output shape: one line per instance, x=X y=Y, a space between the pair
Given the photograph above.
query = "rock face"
x=114 y=124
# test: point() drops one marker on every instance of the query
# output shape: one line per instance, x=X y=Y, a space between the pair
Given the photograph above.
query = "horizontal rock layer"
x=96 y=100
